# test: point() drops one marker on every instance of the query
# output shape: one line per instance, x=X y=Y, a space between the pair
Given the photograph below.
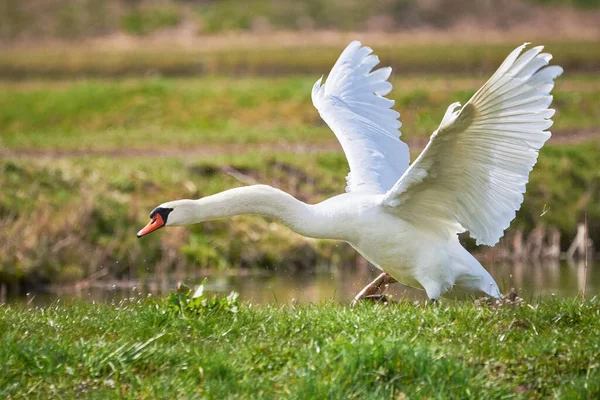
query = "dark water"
x=529 y=279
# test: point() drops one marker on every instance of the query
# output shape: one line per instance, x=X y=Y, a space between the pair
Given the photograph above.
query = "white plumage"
x=471 y=176
x=351 y=102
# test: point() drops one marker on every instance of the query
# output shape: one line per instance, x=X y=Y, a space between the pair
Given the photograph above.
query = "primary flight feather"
x=404 y=219
x=352 y=103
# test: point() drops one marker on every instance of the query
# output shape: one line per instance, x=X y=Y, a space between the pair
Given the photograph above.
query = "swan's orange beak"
x=155 y=223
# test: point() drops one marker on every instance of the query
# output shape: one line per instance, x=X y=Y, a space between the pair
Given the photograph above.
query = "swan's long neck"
x=307 y=220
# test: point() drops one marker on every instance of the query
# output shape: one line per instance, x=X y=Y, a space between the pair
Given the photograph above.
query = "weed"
x=193 y=303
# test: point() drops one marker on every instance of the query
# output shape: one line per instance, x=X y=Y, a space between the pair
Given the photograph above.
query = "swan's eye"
x=162 y=212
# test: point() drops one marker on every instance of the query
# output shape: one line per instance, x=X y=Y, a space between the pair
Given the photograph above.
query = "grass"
x=224 y=349
x=64 y=219
x=161 y=113
x=273 y=59
x=67 y=219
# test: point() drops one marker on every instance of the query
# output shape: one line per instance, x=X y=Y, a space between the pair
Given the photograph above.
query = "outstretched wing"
x=472 y=174
x=352 y=103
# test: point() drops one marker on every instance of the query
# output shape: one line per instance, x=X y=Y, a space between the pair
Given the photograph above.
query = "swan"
x=405 y=218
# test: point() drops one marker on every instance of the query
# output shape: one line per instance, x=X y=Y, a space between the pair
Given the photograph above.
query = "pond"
x=283 y=287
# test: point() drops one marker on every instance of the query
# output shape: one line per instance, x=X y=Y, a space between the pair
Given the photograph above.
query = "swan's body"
x=405 y=219
x=412 y=256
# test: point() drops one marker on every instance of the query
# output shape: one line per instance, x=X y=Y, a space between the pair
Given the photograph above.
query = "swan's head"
x=174 y=213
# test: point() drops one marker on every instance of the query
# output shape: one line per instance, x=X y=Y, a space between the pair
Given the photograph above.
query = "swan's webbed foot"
x=375 y=290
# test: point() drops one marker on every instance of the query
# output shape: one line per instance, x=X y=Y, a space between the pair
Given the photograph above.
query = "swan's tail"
x=474 y=279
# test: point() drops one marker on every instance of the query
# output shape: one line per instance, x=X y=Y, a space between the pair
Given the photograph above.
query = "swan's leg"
x=375 y=289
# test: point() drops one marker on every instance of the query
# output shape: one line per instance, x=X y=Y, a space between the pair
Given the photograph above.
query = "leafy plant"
x=188 y=303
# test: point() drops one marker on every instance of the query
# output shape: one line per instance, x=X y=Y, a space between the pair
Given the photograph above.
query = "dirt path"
x=558 y=138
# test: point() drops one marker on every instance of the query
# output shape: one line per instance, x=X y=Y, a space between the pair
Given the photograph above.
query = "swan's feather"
x=351 y=102
x=472 y=174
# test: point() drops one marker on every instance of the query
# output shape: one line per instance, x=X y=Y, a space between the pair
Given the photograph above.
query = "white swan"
x=405 y=219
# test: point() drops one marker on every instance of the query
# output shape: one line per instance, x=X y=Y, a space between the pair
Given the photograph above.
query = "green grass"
x=164 y=113
x=156 y=349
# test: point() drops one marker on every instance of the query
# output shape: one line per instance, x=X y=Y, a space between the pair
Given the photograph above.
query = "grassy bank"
x=146 y=349
x=164 y=114
x=65 y=219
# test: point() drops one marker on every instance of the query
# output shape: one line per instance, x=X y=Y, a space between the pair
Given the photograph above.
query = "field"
x=201 y=348
x=96 y=132
x=81 y=19
x=279 y=58
x=85 y=160
x=162 y=114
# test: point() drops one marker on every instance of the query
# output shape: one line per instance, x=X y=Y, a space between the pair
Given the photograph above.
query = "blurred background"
x=109 y=108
